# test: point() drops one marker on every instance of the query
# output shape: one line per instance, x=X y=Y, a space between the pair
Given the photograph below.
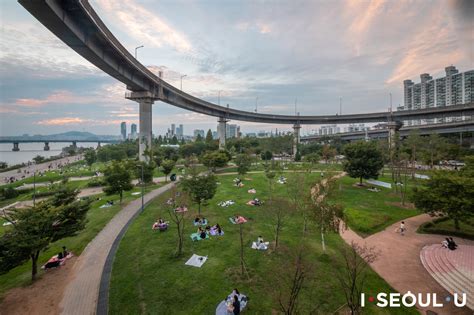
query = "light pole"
x=256 y=104
x=184 y=75
x=143 y=189
x=136 y=48
x=34 y=189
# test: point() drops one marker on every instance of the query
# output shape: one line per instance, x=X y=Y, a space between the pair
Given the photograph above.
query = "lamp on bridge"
x=184 y=75
x=136 y=48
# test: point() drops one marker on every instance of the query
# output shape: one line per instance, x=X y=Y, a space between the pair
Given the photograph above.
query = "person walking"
x=402 y=228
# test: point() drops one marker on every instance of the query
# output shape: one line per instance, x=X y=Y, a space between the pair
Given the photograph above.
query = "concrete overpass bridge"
x=78 y=25
x=16 y=142
x=424 y=130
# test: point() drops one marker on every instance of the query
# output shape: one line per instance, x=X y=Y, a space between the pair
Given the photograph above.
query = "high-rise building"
x=455 y=88
x=133 y=132
x=180 y=131
x=123 y=130
x=232 y=131
x=198 y=132
x=329 y=130
x=173 y=130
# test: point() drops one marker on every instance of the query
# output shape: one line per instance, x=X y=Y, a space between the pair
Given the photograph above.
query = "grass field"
x=97 y=219
x=445 y=226
x=370 y=212
x=148 y=279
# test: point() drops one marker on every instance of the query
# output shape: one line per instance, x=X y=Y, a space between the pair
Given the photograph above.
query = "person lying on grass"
x=216 y=230
x=255 y=202
x=239 y=219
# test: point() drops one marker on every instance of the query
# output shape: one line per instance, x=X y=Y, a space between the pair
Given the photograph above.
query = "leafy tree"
x=117 y=179
x=266 y=156
x=174 y=140
x=9 y=192
x=200 y=187
x=3 y=165
x=328 y=153
x=38 y=159
x=90 y=156
x=297 y=156
x=243 y=162
x=159 y=141
x=34 y=229
x=449 y=194
x=179 y=199
x=147 y=171
x=215 y=159
x=209 y=138
x=166 y=167
x=434 y=150
x=413 y=144
x=364 y=160
x=199 y=138
x=312 y=158
x=182 y=142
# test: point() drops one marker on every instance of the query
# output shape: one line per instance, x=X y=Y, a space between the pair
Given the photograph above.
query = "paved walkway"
x=81 y=294
x=399 y=260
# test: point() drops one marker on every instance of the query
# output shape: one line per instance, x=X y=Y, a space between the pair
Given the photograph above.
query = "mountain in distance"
x=69 y=136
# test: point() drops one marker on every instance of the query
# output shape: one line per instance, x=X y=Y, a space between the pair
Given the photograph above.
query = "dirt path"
x=399 y=260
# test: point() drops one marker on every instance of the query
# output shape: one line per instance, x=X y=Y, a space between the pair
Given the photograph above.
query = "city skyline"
x=267 y=60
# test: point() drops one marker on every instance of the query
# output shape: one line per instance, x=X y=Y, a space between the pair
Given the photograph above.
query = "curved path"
x=81 y=295
x=399 y=260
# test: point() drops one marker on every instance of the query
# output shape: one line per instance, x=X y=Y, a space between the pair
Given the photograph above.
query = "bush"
x=96 y=183
x=9 y=193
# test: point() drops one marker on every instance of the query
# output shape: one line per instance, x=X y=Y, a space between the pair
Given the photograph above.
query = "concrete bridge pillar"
x=46 y=146
x=145 y=99
x=393 y=127
x=221 y=132
x=98 y=145
x=74 y=144
x=296 y=137
x=16 y=147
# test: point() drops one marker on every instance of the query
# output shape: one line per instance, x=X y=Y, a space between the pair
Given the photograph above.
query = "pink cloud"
x=62 y=121
x=58 y=97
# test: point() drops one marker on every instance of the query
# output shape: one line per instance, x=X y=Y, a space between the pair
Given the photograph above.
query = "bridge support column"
x=98 y=145
x=46 y=146
x=393 y=127
x=221 y=132
x=74 y=144
x=296 y=137
x=145 y=99
x=16 y=147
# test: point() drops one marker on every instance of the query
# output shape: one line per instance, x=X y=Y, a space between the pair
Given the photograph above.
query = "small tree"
x=328 y=153
x=364 y=160
x=38 y=159
x=312 y=158
x=279 y=209
x=448 y=193
x=200 y=187
x=209 y=138
x=90 y=156
x=180 y=199
x=353 y=272
x=215 y=159
x=166 y=167
x=243 y=162
x=117 y=179
x=34 y=229
x=147 y=171
x=299 y=196
x=297 y=156
x=266 y=155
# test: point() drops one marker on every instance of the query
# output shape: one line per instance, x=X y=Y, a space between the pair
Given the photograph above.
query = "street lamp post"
x=143 y=191
x=136 y=48
x=34 y=189
x=184 y=75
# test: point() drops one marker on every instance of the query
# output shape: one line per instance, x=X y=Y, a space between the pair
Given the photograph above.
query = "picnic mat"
x=196 y=261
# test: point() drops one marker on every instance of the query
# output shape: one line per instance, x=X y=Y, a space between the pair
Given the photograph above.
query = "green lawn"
x=370 y=212
x=148 y=279
x=97 y=219
x=445 y=226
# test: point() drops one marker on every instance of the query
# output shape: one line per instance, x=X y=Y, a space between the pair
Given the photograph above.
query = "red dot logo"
x=371 y=299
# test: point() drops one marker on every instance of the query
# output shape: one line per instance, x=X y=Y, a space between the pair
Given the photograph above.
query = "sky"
x=264 y=54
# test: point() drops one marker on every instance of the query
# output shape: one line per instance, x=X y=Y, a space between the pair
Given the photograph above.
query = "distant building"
x=232 y=131
x=173 y=130
x=455 y=88
x=214 y=135
x=123 y=130
x=179 y=131
x=329 y=130
x=133 y=132
x=356 y=128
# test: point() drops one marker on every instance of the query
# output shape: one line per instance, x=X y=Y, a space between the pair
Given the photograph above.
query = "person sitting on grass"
x=197 y=221
x=202 y=233
x=208 y=229
x=216 y=230
x=203 y=221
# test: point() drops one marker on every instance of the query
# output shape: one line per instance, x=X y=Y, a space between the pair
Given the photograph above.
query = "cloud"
x=62 y=121
x=145 y=26
x=58 y=97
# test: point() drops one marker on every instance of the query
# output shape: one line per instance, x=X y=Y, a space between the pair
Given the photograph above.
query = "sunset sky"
x=315 y=51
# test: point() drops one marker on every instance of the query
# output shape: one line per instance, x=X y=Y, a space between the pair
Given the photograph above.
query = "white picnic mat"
x=421 y=176
x=379 y=183
x=196 y=261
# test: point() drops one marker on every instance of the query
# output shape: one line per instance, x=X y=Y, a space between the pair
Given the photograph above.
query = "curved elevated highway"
x=77 y=24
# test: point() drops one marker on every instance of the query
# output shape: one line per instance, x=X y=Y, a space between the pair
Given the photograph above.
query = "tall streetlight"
x=184 y=75
x=256 y=104
x=143 y=188
x=136 y=48
x=34 y=189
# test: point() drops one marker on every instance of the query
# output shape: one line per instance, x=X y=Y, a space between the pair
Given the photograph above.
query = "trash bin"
x=173 y=177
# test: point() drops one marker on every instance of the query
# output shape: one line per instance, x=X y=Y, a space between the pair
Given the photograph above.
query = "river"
x=29 y=150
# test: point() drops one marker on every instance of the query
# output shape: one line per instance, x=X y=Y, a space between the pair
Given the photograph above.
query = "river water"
x=29 y=150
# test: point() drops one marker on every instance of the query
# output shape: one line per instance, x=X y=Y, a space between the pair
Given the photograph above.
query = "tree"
x=174 y=140
x=38 y=159
x=243 y=162
x=179 y=199
x=147 y=171
x=328 y=153
x=90 y=156
x=299 y=195
x=297 y=156
x=353 y=272
x=199 y=138
x=166 y=167
x=312 y=158
x=35 y=228
x=413 y=143
x=117 y=179
x=200 y=187
x=279 y=209
x=209 y=138
x=266 y=156
x=215 y=159
x=448 y=193
x=363 y=160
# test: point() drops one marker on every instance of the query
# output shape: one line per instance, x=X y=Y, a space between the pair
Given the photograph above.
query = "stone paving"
x=81 y=294
x=399 y=260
